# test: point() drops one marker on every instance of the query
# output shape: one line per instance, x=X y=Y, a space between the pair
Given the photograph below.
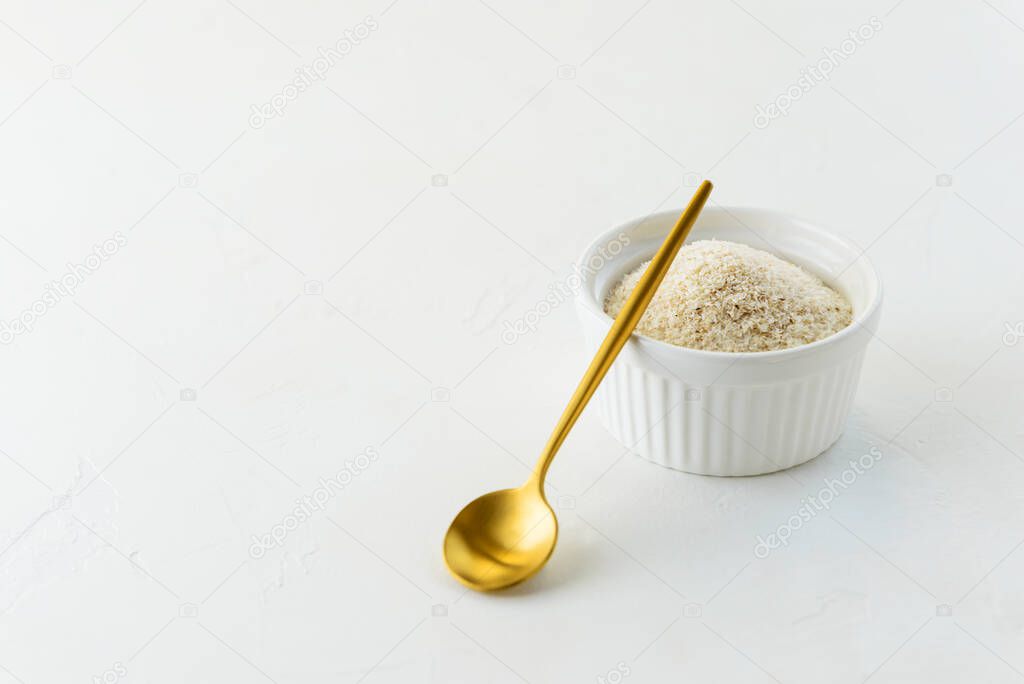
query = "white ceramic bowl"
x=724 y=413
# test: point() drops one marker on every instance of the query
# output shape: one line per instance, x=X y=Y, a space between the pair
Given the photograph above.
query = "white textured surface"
x=128 y=514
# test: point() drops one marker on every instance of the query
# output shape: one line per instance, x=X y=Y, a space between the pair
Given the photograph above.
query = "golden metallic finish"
x=504 y=537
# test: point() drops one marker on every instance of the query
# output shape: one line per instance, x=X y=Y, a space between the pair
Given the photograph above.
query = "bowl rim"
x=588 y=301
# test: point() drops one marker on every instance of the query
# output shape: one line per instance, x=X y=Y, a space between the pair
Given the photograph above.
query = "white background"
x=127 y=513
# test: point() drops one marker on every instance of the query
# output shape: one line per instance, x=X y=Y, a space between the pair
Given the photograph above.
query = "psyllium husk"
x=724 y=296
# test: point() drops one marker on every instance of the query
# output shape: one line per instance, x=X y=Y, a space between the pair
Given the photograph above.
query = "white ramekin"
x=722 y=413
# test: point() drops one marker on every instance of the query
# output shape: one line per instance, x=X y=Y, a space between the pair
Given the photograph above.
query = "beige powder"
x=724 y=296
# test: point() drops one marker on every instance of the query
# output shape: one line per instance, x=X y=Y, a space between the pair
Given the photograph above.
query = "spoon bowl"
x=501 y=538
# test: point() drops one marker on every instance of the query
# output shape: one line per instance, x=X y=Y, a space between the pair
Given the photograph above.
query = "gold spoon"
x=504 y=537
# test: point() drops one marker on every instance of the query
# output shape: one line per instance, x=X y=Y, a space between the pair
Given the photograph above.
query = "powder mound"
x=724 y=296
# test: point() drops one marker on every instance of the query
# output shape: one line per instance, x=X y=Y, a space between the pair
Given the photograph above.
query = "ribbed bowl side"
x=727 y=429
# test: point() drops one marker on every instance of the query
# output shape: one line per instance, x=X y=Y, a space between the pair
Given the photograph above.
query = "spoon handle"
x=621 y=329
